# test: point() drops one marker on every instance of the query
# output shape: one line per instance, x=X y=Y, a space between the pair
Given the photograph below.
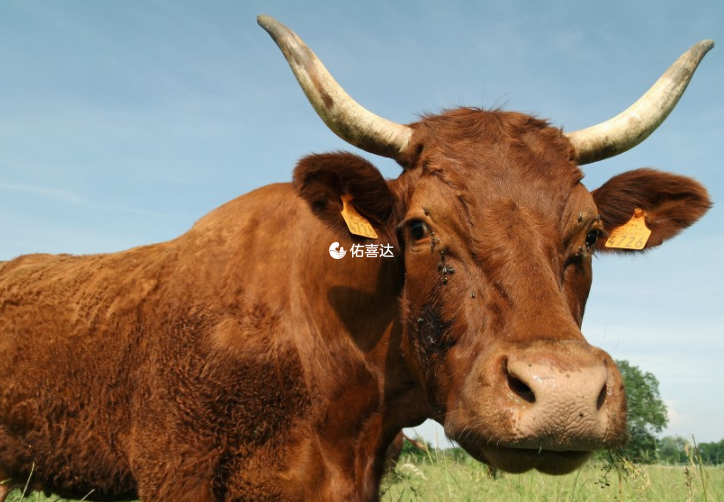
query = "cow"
x=394 y=450
x=240 y=361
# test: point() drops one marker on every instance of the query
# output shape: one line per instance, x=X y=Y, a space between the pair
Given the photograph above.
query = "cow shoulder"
x=322 y=179
x=671 y=202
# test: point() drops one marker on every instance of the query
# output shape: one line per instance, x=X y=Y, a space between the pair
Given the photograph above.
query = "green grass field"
x=443 y=479
x=440 y=478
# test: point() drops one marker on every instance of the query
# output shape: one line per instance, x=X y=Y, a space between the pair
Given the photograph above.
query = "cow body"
x=241 y=362
x=194 y=354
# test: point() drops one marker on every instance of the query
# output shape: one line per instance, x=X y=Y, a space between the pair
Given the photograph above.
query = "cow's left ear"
x=671 y=203
x=323 y=179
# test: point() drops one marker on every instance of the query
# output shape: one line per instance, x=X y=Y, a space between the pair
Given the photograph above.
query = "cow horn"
x=631 y=127
x=342 y=114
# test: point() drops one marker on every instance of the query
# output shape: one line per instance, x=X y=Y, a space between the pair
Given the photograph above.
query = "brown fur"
x=240 y=362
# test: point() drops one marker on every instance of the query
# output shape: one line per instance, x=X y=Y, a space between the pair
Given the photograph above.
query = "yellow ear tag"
x=356 y=223
x=633 y=234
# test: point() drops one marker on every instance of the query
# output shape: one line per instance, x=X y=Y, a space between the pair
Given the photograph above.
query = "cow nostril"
x=602 y=397
x=521 y=389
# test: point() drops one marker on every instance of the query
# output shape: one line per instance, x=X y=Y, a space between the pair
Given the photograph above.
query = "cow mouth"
x=518 y=460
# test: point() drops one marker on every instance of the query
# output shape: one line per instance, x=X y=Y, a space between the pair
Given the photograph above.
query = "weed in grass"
x=408 y=470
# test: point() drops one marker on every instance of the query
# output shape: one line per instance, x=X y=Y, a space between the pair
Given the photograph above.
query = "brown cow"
x=241 y=362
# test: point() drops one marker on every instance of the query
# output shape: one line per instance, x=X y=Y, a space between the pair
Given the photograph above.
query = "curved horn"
x=342 y=114
x=635 y=124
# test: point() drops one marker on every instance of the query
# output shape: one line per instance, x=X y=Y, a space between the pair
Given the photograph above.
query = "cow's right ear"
x=323 y=179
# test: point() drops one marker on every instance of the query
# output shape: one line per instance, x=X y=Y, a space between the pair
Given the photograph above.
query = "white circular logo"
x=337 y=255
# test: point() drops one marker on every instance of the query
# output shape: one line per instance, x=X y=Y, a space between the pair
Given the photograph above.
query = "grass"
x=437 y=479
x=444 y=478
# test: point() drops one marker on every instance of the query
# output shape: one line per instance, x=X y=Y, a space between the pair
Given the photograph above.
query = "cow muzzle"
x=545 y=406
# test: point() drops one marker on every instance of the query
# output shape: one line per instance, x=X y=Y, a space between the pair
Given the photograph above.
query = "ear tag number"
x=633 y=234
x=356 y=223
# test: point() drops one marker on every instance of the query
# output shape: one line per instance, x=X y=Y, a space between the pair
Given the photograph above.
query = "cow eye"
x=592 y=238
x=419 y=229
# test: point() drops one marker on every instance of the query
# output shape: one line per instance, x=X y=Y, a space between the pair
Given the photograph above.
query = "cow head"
x=498 y=233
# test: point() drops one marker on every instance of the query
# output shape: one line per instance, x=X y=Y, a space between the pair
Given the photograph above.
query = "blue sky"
x=122 y=123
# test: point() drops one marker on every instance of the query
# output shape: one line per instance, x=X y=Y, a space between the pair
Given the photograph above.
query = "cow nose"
x=528 y=380
x=560 y=406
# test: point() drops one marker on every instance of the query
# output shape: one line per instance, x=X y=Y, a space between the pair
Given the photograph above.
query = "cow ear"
x=323 y=179
x=671 y=203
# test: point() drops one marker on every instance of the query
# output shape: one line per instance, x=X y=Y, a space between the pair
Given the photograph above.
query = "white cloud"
x=677 y=420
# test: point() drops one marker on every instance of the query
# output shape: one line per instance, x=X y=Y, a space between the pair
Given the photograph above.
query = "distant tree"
x=712 y=453
x=679 y=450
x=672 y=450
x=646 y=412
